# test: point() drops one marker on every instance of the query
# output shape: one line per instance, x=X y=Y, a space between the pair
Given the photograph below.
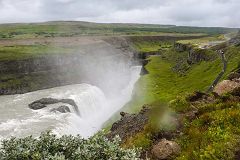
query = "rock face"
x=61 y=109
x=197 y=55
x=129 y=124
x=144 y=71
x=235 y=40
x=182 y=47
x=44 y=71
x=42 y=103
x=165 y=149
x=37 y=106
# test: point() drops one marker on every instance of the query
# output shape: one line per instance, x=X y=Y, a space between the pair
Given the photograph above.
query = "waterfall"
x=95 y=107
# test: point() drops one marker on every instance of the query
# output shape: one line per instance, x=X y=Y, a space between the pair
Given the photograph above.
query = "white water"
x=16 y=119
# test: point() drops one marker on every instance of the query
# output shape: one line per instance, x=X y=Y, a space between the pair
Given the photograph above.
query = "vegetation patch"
x=214 y=133
x=164 y=82
x=18 y=52
x=208 y=126
x=69 y=29
x=146 y=46
x=50 y=147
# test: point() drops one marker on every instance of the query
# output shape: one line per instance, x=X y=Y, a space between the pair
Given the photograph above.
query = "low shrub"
x=180 y=104
x=49 y=147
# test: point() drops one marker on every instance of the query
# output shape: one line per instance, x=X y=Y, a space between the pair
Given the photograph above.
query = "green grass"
x=203 y=40
x=233 y=58
x=66 y=29
x=144 y=46
x=214 y=134
x=18 y=52
x=162 y=84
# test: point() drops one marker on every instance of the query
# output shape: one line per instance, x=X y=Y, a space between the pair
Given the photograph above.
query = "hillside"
x=173 y=103
x=171 y=73
x=38 y=56
x=172 y=113
x=70 y=29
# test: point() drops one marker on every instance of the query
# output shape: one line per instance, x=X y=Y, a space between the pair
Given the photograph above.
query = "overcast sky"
x=180 y=12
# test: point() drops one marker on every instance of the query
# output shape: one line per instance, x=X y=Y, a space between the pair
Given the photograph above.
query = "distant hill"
x=78 y=28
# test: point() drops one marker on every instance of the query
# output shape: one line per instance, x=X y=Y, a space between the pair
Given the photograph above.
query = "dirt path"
x=220 y=75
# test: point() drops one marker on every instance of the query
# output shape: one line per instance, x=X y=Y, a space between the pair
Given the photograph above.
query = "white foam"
x=95 y=109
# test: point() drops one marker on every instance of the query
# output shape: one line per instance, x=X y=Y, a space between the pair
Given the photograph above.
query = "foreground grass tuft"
x=214 y=133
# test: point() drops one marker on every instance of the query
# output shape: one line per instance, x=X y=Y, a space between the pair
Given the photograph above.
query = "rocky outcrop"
x=227 y=86
x=230 y=85
x=72 y=66
x=38 y=64
x=165 y=149
x=196 y=55
x=236 y=40
x=144 y=71
x=182 y=47
x=61 y=109
x=21 y=76
x=129 y=124
x=37 y=106
x=145 y=55
x=142 y=59
x=42 y=103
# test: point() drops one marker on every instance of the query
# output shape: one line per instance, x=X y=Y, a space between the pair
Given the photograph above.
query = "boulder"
x=165 y=149
x=61 y=109
x=36 y=106
x=42 y=103
x=226 y=86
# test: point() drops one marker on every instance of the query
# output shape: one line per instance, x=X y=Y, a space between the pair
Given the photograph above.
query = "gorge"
x=98 y=76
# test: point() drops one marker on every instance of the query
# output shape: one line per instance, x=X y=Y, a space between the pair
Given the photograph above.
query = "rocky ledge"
x=129 y=124
x=44 y=102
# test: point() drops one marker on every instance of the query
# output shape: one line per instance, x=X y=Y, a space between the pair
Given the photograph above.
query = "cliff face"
x=97 y=61
x=28 y=66
x=93 y=63
x=235 y=40
x=37 y=73
x=195 y=55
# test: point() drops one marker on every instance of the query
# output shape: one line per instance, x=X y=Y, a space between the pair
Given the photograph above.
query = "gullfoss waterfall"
x=94 y=105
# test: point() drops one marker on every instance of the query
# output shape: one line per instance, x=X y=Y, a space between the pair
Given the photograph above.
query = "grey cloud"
x=180 y=12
